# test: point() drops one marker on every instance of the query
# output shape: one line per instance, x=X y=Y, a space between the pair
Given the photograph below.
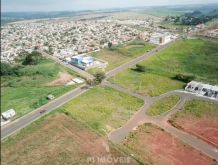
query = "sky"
x=61 y=5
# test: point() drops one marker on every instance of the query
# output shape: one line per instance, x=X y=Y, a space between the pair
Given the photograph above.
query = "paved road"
x=22 y=122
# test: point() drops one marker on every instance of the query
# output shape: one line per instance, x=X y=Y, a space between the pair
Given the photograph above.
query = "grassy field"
x=163 y=105
x=29 y=91
x=198 y=109
x=57 y=139
x=102 y=108
x=120 y=54
x=195 y=57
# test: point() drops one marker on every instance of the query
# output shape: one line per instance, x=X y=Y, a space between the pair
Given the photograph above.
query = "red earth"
x=156 y=146
x=204 y=128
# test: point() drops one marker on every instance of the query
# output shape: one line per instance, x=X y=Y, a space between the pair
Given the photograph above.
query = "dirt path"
x=63 y=79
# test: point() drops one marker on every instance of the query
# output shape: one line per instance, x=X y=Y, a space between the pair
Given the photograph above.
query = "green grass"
x=102 y=108
x=195 y=57
x=163 y=105
x=198 y=108
x=121 y=54
x=29 y=91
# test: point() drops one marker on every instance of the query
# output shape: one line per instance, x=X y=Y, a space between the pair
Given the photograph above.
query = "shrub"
x=6 y=69
x=99 y=76
x=32 y=58
x=184 y=78
x=140 y=68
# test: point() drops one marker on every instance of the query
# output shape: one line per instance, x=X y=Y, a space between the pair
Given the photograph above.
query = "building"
x=203 y=89
x=212 y=33
x=8 y=114
x=50 y=97
x=160 y=38
x=82 y=61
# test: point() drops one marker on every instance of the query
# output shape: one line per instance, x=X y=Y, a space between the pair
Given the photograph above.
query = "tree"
x=99 y=76
x=6 y=69
x=32 y=58
x=140 y=68
x=110 y=45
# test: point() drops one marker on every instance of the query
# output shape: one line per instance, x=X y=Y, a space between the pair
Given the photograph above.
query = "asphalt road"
x=22 y=122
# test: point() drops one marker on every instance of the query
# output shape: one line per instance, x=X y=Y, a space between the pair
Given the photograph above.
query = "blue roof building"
x=82 y=61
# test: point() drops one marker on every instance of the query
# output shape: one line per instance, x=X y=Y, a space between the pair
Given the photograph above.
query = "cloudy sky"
x=59 y=5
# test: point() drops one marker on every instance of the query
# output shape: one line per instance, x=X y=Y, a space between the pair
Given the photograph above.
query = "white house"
x=203 y=89
x=8 y=114
x=160 y=38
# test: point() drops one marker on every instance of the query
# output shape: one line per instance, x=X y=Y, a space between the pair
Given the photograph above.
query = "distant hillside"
x=194 y=18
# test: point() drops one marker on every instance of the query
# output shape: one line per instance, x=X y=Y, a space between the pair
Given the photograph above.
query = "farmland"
x=155 y=146
x=199 y=118
x=121 y=54
x=48 y=142
x=163 y=105
x=103 y=109
x=30 y=89
x=183 y=57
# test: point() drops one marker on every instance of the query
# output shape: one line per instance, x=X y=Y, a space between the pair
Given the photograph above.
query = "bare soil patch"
x=62 y=79
x=57 y=140
x=204 y=128
x=156 y=146
x=199 y=118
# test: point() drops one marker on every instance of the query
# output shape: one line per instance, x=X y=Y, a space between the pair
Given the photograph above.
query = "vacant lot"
x=195 y=57
x=54 y=140
x=29 y=90
x=156 y=146
x=199 y=118
x=163 y=105
x=103 y=109
x=118 y=55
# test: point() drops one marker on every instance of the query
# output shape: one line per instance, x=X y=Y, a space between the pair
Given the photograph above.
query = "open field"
x=155 y=146
x=199 y=118
x=29 y=90
x=163 y=105
x=196 y=57
x=57 y=139
x=121 y=54
x=103 y=109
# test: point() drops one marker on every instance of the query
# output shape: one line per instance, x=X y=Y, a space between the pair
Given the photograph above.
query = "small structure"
x=203 y=89
x=8 y=114
x=78 y=80
x=50 y=97
x=160 y=38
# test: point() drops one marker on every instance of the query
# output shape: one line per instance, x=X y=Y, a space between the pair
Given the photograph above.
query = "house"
x=8 y=114
x=160 y=38
x=50 y=97
x=82 y=61
x=203 y=89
